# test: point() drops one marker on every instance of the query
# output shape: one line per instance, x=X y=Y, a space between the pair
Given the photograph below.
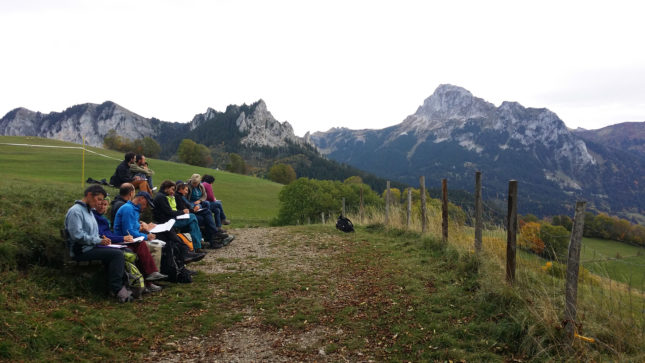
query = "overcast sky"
x=322 y=64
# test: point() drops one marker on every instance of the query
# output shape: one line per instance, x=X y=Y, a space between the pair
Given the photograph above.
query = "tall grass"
x=611 y=313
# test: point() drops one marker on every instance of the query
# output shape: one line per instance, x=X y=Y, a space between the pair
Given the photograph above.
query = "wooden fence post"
x=343 y=214
x=409 y=207
x=478 y=212
x=362 y=210
x=444 y=211
x=573 y=266
x=322 y=216
x=511 y=231
x=387 y=203
x=424 y=217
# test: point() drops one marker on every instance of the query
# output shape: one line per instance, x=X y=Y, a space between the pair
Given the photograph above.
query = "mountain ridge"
x=453 y=134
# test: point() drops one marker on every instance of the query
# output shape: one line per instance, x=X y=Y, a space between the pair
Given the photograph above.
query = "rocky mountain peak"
x=262 y=129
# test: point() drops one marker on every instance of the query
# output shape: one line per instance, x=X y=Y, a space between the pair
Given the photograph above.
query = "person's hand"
x=151 y=226
x=198 y=201
x=128 y=239
x=186 y=211
x=151 y=236
x=143 y=227
x=105 y=241
x=196 y=208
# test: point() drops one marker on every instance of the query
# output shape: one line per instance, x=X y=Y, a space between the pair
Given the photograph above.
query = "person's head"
x=140 y=160
x=182 y=189
x=126 y=191
x=129 y=157
x=102 y=206
x=143 y=200
x=208 y=179
x=195 y=179
x=167 y=187
x=93 y=195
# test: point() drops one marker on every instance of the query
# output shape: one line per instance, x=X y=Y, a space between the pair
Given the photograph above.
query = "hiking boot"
x=216 y=244
x=156 y=276
x=219 y=235
x=193 y=257
x=226 y=222
x=201 y=250
x=137 y=292
x=124 y=295
x=192 y=272
x=228 y=240
x=152 y=288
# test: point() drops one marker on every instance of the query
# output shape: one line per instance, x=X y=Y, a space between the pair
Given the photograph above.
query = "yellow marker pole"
x=83 y=166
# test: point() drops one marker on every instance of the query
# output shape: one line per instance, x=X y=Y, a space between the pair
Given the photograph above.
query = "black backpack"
x=344 y=224
x=172 y=265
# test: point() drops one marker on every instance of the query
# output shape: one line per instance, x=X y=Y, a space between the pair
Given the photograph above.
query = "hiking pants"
x=145 y=263
x=218 y=212
x=205 y=218
x=192 y=226
x=113 y=261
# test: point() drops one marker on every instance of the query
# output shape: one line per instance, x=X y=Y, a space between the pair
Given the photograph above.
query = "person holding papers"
x=145 y=263
x=204 y=216
x=166 y=209
x=84 y=241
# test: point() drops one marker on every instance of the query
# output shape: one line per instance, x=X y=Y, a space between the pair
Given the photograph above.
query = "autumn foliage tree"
x=530 y=237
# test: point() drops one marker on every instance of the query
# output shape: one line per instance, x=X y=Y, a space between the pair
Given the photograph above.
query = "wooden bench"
x=69 y=261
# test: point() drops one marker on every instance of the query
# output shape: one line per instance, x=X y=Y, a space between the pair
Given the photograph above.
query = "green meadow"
x=617 y=260
x=380 y=294
x=248 y=201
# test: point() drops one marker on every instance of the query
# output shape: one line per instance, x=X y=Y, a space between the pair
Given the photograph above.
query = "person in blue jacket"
x=145 y=262
x=126 y=220
x=85 y=243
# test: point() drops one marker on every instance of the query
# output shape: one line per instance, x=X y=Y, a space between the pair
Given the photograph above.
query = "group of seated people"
x=89 y=230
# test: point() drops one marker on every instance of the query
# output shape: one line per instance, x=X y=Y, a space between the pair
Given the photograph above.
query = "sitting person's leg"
x=191 y=225
x=145 y=263
x=220 y=209
x=210 y=229
x=114 y=263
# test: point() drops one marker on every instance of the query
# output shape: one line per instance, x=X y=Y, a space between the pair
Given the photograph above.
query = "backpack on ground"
x=187 y=240
x=135 y=277
x=344 y=224
x=172 y=265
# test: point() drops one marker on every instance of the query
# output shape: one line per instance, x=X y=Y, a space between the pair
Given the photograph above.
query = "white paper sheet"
x=163 y=227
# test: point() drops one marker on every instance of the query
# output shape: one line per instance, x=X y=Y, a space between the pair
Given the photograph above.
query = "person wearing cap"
x=84 y=241
x=145 y=263
x=126 y=221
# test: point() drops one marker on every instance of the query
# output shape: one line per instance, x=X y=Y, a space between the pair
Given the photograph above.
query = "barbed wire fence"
x=610 y=287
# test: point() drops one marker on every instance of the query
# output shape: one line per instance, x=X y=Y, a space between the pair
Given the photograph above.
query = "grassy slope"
x=401 y=297
x=247 y=200
x=617 y=260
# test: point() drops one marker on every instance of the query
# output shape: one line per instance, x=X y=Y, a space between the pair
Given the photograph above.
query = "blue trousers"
x=218 y=212
x=113 y=261
x=205 y=218
x=191 y=225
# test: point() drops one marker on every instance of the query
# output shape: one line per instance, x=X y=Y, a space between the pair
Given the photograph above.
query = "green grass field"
x=248 y=201
x=386 y=293
x=616 y=260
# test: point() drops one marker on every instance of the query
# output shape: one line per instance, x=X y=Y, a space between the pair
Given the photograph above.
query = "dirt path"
x=249 y=340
